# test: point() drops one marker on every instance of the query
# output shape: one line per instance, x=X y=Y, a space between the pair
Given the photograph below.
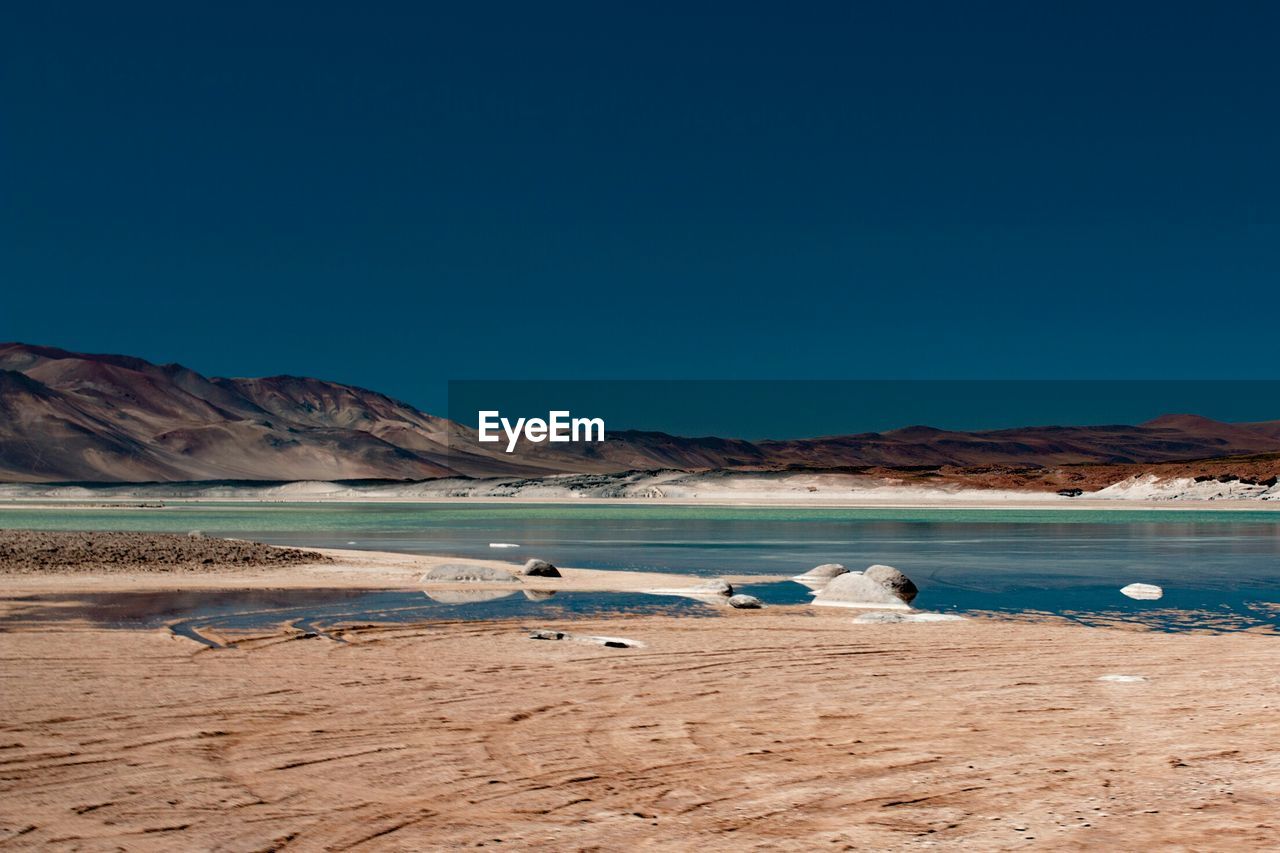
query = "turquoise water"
x=1063 y=561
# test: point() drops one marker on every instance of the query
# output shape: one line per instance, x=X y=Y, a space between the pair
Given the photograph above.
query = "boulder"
x=547 y=635
x=539 y=594
x=745 y=602
x=895 y=580
x=826 y=570
x=458 y=573
x=540 y=569
x=878 y=586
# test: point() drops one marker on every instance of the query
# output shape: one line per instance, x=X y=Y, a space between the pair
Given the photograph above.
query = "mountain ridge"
x=70 y=416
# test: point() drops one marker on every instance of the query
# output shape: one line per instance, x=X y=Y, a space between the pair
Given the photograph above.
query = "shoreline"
x=1052 y=503
x=790 y=727
x=352 y=569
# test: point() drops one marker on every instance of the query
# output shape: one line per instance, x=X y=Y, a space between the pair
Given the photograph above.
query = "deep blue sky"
x=394 y=195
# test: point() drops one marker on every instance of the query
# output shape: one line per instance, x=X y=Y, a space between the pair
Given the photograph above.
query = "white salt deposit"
x=1122 y=678
x=503 y=545
x=882 y=617
x=1142 y=591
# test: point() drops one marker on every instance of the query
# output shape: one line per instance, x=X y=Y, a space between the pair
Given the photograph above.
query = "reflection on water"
x=989 y=549
x=467 y=596
x=322 y=610
x=1220 y=569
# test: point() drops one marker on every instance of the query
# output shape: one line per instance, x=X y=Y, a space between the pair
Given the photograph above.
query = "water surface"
x=1224 y=565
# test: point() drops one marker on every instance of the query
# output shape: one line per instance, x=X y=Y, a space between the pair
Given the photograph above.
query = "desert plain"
x=789 y=728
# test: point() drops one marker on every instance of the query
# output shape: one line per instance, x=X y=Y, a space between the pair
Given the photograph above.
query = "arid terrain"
x=784 y=728
x=779 y=729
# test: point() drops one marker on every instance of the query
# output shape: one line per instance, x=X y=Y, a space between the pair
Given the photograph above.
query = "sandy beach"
x=787 y=728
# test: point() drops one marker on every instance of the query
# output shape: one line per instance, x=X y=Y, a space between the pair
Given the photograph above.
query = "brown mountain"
x=67 y=416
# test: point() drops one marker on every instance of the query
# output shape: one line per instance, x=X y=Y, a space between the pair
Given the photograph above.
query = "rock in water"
x=820 y=576
x=1143 y=591
x=879 y=586
x=745 y=602
x=456 y=573
x=895 y=580
x=825 y=571
x=540 y=569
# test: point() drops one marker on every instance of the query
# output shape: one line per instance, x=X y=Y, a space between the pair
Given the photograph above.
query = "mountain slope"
x=71 y=416
x=112 y=418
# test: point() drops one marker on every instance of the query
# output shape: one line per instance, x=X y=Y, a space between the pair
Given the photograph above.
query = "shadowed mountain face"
x=108 y=418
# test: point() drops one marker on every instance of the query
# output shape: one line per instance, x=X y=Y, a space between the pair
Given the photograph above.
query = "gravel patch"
x=34 y=552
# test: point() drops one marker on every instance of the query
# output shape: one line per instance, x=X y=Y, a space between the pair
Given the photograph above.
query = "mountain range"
x=68 y=416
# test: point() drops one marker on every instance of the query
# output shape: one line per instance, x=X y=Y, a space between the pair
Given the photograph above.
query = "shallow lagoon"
x=1218 y=569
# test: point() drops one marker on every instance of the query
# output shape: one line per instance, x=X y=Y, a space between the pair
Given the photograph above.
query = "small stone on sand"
x=540 y=569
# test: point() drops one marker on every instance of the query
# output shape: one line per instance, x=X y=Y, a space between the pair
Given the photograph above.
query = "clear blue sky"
x=394 y=195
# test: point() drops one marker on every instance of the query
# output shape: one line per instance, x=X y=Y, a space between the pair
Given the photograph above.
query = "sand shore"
x=671 y=488
x=970 y=501
x=345 y=569
x=788 y=728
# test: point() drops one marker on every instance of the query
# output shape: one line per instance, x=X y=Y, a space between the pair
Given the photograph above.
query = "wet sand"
x=789 y=728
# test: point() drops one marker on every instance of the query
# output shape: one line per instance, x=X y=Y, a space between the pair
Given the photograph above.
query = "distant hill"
x=67 y=416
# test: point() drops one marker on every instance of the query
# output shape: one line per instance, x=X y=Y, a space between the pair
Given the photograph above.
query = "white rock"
x=503 y=545
x=1122 y=678
x=858 y=589
x=826 y=571
x=1143 y=591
